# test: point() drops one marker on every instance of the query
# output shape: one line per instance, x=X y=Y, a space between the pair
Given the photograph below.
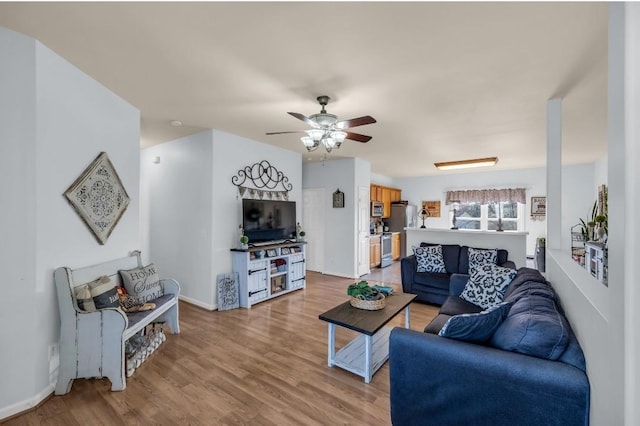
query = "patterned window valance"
x=487 y=196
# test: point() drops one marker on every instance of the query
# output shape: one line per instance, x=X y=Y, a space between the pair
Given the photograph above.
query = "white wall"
x=232 y=153
x=433 y=188
x=340 y=254
x=54 y=120
x=193 y=210
x=605 y=319
x=577 y=198
x=629 y=246
x=178 y=202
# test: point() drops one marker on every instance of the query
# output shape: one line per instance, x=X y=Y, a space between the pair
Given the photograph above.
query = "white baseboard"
x=198 y=303
x=27 y=404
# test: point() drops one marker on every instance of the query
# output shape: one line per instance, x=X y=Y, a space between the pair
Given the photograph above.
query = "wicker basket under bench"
x=92 y=344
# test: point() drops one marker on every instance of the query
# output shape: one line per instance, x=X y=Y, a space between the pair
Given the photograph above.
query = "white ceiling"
x=445 y=81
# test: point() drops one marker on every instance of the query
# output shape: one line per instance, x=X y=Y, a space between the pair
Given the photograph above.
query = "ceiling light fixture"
x=176 y=123
x=464 y=164
x=330 y=139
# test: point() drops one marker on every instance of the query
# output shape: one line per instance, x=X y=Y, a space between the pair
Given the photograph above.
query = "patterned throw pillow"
x=142 y=283
x=487 y=284
x=84 y=299
x=476 y=327
x=104 y=294
x=430 y=259
x=478 y=257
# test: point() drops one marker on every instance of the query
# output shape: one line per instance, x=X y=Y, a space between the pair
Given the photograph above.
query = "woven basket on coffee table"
x=369 y=305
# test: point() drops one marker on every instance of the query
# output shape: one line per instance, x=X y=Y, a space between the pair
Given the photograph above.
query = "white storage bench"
x=92 y=344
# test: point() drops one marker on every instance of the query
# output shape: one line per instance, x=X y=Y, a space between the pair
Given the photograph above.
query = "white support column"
x=629 y=145
x=554 y=174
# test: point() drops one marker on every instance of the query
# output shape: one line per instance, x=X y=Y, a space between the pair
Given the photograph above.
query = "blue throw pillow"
x=487 y=284
x=475 y=328
x=479 y=257
x=430 y=259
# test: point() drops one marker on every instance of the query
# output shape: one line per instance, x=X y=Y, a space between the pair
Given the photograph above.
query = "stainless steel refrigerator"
x=403 y=215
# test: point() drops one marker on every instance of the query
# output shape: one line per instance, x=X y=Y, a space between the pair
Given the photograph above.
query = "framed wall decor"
x=338 y=199
x=99 y=197
x=538 y=206
x=433 y=207
x=271 y=253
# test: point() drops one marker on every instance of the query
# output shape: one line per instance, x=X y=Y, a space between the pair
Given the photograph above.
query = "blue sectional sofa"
x=434 y=287
x=530 y=371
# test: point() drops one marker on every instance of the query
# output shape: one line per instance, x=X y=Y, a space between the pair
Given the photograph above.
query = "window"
x=484 y=217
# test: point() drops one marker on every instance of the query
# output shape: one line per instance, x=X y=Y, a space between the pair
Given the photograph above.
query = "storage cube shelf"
x=261 y=278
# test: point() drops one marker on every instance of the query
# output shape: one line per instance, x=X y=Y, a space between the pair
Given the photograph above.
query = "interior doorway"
x=363 y=230
x=313 y=218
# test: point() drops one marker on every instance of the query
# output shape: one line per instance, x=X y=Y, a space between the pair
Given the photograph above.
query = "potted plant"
x=361 y=290
x=302 y=234
x=244 y=242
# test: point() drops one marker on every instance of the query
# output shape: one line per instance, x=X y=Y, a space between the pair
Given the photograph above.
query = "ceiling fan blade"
x=306 y=119
x=282 y=133
x=358 y=137
x=355 y=122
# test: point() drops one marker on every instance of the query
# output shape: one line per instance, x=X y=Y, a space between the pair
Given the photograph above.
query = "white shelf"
x=352 y=356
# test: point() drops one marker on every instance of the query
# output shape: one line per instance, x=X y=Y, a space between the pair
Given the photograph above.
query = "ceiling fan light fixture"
x=465 y=164
x=315 y=134
x=324 y=120
x=329 y=143
x=339 y=136
x=309 y=143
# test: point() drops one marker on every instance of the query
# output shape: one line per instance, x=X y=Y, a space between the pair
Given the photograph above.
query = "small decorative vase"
x=599 y=234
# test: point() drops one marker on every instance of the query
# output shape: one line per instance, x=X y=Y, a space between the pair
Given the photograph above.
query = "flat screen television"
x=268 y=220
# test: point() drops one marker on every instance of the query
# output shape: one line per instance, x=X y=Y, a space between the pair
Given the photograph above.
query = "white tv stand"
x=268 y=271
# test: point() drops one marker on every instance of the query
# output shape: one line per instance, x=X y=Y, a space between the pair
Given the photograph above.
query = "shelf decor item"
x=365 y=297
x=99 y=197
x=424 y=213
x=228 y=291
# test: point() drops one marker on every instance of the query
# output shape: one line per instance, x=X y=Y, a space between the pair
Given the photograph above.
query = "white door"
x=363 y=230
x=313 y=207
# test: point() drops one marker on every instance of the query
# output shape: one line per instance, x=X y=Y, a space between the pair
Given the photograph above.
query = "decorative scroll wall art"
x=99 y=197
x=262 y=180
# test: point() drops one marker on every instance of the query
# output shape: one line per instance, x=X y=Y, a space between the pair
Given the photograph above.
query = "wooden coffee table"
x=365 y=354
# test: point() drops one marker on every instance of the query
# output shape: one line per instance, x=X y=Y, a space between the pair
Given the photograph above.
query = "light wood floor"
x=262 y=366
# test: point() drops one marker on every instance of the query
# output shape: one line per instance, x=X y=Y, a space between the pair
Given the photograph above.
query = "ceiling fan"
x=327 y=130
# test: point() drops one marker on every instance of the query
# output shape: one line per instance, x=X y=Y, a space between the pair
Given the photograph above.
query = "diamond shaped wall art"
x=99 y=197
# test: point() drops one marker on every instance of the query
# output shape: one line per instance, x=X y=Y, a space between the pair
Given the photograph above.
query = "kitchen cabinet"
x=376 y=193
x=385 y=195
x=395 y=246
x=386 y=202
x=375 y=251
